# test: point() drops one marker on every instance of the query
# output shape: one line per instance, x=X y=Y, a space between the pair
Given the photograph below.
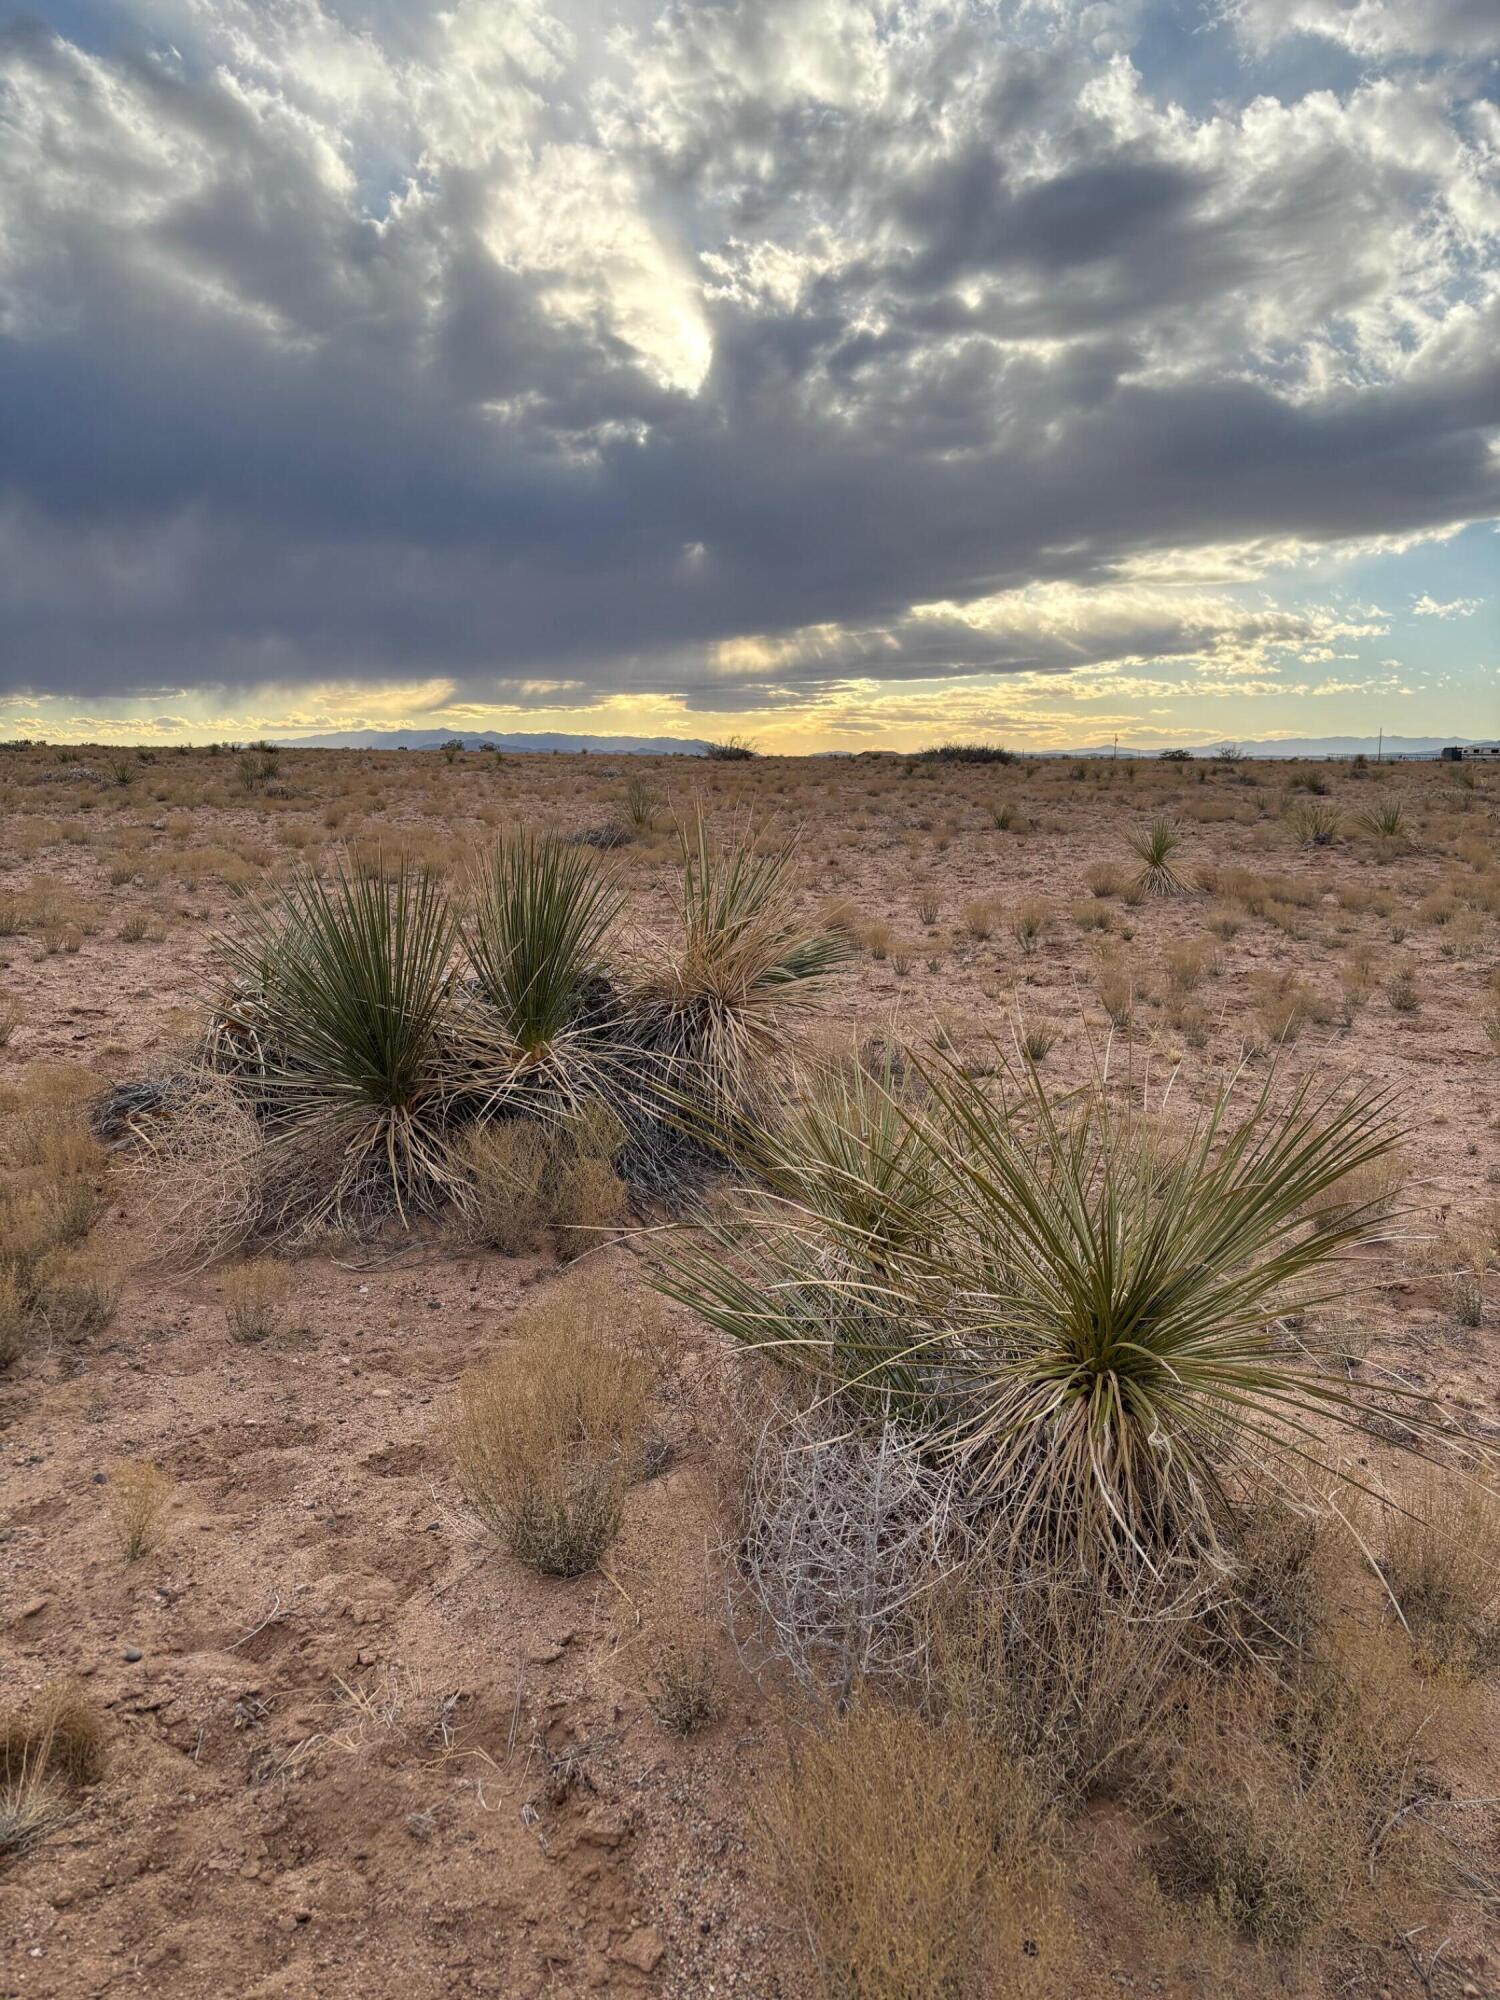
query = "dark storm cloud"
x=729 y=342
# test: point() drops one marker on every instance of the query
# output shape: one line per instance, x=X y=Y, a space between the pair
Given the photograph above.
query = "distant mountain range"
x=691 y=746
x=486 y=739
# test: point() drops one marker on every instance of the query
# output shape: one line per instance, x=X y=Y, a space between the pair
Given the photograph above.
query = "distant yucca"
x=1155 y=845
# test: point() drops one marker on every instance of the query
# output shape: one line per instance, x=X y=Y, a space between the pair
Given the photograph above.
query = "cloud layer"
x=734 y=352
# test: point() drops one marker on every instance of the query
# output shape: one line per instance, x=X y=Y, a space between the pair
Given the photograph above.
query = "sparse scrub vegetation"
x=1000 y=1340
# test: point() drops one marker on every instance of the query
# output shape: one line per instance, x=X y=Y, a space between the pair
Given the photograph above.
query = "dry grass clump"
x=75 y=1292
x=1284 y=1005
x=1374 y=1190
x=50 y=1170
x=1298 y=1803
x=138 y=1495
x=551 y=1431
x=1117 y=987
x=979 y=918
x=682 y=1678
x=254 y=1293
x=917 y=1857
x=202 y=1171
x=49 y=1748
x=1189 y=962
x=1442 y=1562
x=1030 y=923
x=526 y=1182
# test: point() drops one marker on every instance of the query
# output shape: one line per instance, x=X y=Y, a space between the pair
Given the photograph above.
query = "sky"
x=842 y=374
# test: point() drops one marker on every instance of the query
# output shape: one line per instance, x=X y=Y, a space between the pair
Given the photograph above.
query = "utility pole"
x=1380 y=750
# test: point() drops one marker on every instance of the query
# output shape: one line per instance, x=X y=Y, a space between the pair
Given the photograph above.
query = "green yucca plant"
x=538 y=919
x=1090 y=1322
x=1385 y=823
x=343 y=988
x=714 y=1012
x=1315 y=823
x=1154 y=845
x=854 y=1158
x=640 y=805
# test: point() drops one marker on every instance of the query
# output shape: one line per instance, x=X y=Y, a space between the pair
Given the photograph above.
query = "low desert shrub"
x=965 y=753
x=918 y=1859
x=527 y=1182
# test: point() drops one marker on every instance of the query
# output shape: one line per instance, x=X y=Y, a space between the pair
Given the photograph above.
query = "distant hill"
x=543 y=740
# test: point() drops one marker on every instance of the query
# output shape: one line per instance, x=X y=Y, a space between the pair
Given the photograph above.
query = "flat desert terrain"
x=341 y=1740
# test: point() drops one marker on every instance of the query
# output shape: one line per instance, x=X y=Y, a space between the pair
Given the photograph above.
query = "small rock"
x=30 y=1609
x=644 y=1949
x=132 y=1654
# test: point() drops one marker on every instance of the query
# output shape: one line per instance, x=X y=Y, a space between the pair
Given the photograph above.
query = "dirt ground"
x=355 y=1751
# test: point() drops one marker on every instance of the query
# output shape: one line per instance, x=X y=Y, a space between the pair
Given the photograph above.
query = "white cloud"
x=1377 y=28
x=1455 y=607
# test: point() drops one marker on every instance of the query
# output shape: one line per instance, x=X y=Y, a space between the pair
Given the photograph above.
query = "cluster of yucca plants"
x=372 y=1018
x=1089 y=1322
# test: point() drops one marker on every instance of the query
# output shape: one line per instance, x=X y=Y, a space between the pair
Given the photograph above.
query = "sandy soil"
x=355 y=1751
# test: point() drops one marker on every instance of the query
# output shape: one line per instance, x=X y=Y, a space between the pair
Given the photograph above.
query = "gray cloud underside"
x=989 y=319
